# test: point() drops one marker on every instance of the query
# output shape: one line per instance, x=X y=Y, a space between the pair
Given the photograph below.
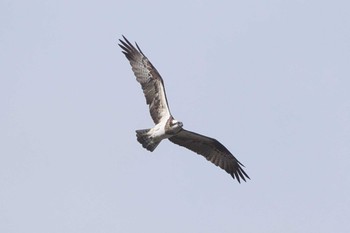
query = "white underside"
x=158 y=132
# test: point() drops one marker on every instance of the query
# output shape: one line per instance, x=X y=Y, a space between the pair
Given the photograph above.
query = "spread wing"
x=212 y=150
x=150 y=80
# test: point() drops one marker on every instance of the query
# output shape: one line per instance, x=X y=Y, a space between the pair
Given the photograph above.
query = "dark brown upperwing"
x=212 y=150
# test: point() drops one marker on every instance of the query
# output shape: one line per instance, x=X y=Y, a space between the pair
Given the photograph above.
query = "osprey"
x=166 y=127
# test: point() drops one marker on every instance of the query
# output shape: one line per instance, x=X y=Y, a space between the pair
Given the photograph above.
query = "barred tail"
x=146 y=140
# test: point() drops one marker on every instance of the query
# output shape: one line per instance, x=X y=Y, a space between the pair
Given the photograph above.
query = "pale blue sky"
x=269 y=79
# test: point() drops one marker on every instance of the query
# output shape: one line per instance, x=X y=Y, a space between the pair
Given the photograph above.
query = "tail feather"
x=146 y=140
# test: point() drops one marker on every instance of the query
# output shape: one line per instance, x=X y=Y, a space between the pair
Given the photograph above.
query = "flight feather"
x=151 y=82
x=212 y=150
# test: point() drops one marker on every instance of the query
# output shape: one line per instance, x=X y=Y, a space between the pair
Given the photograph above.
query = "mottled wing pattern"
x=150 y=80
x=212 y=150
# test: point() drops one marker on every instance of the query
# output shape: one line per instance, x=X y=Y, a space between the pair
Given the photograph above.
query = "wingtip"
x=126 y=39
x=240 y=174
x=120 y=40
x=138 y=48
x=130 y=44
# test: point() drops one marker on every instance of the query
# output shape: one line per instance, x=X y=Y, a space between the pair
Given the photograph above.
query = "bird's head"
x=174 y=126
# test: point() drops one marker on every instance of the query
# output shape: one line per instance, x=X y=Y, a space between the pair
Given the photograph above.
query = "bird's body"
x=166 y=127
x=150 y=138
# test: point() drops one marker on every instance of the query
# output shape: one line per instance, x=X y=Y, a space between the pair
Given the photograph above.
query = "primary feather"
x=150 y=80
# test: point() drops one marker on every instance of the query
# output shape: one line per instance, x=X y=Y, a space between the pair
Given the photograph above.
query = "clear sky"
x=269 y=79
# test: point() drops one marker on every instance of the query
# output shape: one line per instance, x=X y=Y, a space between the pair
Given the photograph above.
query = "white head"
x=175 y=123
x=174 y=126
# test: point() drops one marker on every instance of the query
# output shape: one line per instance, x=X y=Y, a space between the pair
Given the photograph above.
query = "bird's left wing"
x=212 y=150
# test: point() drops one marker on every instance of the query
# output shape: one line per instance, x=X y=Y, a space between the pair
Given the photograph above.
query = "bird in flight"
x=166 y=127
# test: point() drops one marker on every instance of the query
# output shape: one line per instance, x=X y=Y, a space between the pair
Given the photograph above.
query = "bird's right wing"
x=150 y=80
